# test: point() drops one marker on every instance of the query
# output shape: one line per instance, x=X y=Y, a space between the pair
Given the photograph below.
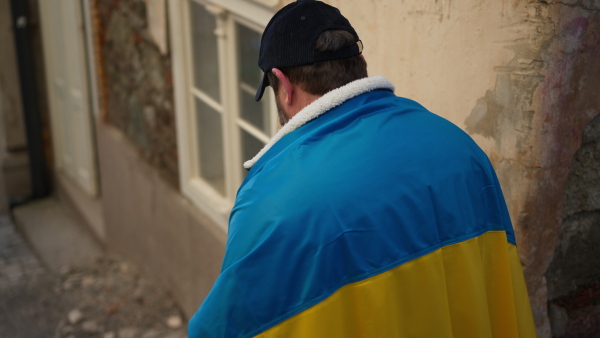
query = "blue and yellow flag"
x=377 y=219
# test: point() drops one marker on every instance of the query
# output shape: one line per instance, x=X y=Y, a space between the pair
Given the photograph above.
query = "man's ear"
x=287 y=85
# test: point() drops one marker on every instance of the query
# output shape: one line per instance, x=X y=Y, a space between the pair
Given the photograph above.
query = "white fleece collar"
x=322 y=105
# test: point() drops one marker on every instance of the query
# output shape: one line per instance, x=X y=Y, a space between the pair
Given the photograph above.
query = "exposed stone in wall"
x=138 y=83
x=536 y=114
x=574 y=274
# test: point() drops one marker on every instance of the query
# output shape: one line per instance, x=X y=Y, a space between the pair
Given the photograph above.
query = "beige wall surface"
x=151 y=223
x=439 y=53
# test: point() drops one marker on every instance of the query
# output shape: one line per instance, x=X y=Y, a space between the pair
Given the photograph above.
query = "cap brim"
x=261 y=89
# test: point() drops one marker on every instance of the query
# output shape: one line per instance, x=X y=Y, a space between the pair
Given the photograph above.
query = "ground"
x=107 y=297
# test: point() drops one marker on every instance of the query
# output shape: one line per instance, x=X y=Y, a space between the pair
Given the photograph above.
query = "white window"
x=215 y=48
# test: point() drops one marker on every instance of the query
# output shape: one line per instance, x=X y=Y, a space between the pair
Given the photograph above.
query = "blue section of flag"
x=371 y=184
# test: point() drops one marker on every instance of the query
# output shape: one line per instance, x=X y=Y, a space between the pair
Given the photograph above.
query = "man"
x=366 y=215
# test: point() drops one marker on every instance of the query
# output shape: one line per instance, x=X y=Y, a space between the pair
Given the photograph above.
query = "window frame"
x=255 y=15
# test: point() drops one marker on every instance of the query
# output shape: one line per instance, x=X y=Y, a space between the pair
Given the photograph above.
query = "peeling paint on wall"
x=438 y=9
x=138 y=81
x=157 y=23
x=536 y=115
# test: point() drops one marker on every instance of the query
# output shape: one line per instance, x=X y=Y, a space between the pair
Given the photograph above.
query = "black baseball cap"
x=289 y=38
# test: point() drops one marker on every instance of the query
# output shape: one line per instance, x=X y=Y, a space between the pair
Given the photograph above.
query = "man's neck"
x=302 y=100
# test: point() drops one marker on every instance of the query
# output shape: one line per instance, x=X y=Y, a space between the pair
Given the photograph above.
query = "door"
x=66 y=68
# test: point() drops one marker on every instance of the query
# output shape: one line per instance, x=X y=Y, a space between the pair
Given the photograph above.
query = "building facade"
x=152 y=114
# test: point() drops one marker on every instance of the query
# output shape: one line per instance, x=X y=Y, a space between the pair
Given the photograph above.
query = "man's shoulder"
x=364 y=137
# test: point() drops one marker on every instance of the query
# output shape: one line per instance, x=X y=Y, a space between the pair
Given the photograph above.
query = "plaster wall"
x=439 y=53
x=150 y=222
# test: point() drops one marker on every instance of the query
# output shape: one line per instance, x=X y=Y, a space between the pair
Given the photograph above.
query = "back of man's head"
x=323 y=76
x=314 y=45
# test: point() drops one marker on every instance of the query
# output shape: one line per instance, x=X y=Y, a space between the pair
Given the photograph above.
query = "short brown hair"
x=323 y=76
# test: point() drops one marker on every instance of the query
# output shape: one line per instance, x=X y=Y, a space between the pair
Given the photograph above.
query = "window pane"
x=254 y=112
x=250 y=147
x=249 y=76
x=210 y=139
x=205 y=58
x=248 y=48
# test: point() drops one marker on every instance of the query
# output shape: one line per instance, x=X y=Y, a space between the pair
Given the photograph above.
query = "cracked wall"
x=137 y=79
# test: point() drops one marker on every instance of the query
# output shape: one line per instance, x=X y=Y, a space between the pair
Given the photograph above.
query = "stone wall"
x=137 y=81
x=574 y=274
x=564 y=103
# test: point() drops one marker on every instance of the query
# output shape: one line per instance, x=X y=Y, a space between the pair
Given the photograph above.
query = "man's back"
x=376 y=219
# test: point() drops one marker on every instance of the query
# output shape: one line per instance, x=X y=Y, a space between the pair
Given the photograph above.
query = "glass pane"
x=248 y=48
x=255 y=113
x=210 y=139
x=250 y=147
x=249 y=76
x=205 y=58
